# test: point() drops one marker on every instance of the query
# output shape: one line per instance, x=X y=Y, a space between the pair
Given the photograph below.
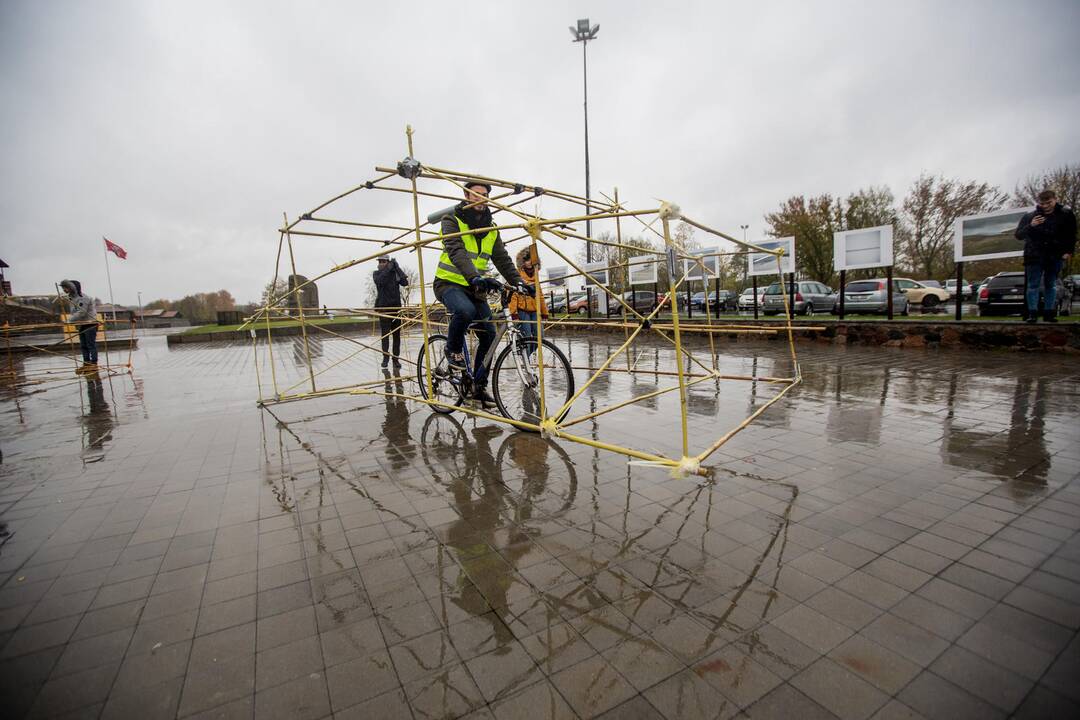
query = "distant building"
x=161 y=319
x=5 y=285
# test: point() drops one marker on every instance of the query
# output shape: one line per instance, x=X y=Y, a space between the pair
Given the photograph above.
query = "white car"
x=746 y=298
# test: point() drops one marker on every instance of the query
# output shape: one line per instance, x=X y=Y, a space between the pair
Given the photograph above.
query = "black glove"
x=525 y=289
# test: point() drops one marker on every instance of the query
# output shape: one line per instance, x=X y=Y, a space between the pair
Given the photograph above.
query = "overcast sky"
x=183 y=130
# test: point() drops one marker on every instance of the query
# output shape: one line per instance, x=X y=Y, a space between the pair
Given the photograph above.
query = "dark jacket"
x=1049 y=241
x=455 y=248
x=388 y=282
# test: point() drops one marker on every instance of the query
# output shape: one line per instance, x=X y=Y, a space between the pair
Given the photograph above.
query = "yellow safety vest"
x=479 y=253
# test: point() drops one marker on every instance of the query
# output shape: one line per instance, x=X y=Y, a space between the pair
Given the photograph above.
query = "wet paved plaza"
x=895 y=539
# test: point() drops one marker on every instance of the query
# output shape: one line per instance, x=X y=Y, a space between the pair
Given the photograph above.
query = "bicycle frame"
x=508 y=327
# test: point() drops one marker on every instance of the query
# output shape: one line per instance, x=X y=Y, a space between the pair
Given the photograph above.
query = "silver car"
x=868 y=296
x=810 y=297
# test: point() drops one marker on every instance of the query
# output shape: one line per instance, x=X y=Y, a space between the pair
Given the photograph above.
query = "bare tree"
x=933 y=204
x=1064 y=181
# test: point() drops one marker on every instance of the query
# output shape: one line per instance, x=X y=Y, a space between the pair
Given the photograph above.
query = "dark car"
x=725 y=299
x=1006 y=294
x=640 y=300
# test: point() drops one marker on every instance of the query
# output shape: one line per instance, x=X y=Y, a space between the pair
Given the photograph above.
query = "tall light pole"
x=583 y=33
x=747 y=265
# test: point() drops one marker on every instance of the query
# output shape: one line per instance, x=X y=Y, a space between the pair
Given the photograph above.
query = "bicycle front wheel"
x=444 y=388
x=516 y=381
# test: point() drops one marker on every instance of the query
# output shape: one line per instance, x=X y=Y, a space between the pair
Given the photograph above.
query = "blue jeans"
x=465 y=312
x=526 y=324
x=88 y=342
x=1042 y=275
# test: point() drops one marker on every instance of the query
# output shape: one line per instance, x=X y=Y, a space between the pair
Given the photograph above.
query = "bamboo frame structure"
x=556 y=233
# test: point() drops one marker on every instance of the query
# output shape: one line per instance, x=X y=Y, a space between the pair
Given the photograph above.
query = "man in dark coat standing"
x=1049 y=236
x=389 y=279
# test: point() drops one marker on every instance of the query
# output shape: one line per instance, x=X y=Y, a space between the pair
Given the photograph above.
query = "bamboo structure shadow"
x=555 y=231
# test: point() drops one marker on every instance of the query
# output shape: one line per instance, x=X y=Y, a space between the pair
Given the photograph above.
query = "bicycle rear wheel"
x=444 y=386
x=516 y=381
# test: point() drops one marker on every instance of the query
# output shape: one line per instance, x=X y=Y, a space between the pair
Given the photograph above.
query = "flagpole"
x=108 y=277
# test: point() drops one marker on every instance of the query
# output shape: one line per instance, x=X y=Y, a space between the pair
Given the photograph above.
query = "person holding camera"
x=470 y=242
x=1049 y=237
x=389 y=279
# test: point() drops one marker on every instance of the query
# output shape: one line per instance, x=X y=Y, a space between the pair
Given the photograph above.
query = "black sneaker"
x=1049 y=317
x=482 y=398
x=455 y=361
x=1031 y=320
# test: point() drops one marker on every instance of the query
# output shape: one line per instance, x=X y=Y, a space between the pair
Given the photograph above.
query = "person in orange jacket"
x=523 y=307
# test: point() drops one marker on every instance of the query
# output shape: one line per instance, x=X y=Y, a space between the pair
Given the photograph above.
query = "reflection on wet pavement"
x=897 y=536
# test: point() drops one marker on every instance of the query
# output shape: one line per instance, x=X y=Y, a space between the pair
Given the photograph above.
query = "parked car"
x=725 y=299
x=810 y=297
x=746 y=298
x=558 y=301
x=643 y=300
x=918 y=293
x=869 y=296
x=929 y=283
x=968 y=290
x=579 y=303
x=1006 y=294
x=680 y=300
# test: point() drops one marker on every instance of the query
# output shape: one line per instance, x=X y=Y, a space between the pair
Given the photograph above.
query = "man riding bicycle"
x=460 y=284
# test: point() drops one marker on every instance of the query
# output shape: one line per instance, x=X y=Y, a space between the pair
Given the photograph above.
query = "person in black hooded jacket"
x=389 y=279
x=1049 y=236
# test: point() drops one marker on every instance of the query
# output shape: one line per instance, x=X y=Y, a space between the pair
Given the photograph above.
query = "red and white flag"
x=115 y=249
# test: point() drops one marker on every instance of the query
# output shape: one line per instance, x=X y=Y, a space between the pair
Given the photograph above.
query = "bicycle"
x=515 y=375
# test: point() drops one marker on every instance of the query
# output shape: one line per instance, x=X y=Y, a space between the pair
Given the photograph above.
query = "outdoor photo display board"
x=864 y=248
x=987 y=236
x=598 y=270
x=712 y=264
x=764 y=264
x=556 y=275
x=642 y=271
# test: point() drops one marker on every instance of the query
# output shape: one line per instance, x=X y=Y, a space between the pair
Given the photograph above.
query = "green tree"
x=812 y=222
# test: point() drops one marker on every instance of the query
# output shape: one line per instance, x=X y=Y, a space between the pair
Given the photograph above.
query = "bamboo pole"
x=420 y=264
x=300 y=307
x=678 y=338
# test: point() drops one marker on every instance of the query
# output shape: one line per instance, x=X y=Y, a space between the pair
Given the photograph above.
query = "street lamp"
x=747 y=270
x=583 y=33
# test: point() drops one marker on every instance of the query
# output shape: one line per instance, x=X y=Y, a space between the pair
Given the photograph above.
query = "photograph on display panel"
x=987 y=236
x=765 y=264
x=642 y=271
x=598 y=270
x=709 y=259
x=557 y=275
x=863 y=248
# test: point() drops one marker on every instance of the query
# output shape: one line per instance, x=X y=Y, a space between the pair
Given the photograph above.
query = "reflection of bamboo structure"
x=551 y=232
x=17 y=375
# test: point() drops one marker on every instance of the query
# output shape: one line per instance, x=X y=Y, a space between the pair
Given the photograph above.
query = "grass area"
x=276 y=324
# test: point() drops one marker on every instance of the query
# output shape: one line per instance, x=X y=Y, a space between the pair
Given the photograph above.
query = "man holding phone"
x=1049 y=237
